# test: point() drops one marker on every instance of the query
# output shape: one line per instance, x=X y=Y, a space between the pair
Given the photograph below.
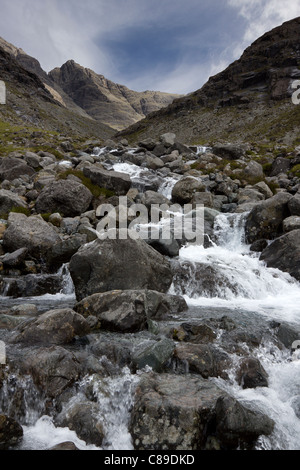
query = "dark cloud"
x=167 y=45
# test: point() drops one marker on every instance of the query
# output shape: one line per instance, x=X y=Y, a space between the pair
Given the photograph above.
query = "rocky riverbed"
x=151 y=342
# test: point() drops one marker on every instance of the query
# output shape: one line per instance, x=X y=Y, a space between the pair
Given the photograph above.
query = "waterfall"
x=228 y=275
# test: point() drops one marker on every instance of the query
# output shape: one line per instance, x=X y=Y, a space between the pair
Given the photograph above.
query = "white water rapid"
x=242 y=282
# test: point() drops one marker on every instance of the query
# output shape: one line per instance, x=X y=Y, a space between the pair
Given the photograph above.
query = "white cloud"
x=55 y=31
x=263 y=15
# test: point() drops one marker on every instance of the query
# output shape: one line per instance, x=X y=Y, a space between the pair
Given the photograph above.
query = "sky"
x=165 y=45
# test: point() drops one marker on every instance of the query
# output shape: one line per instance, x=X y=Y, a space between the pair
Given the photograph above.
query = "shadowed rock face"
x=108 y=265
x=238 y=99
x=104 y=100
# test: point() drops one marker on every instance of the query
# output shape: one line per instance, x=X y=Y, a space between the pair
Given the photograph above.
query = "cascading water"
x=240 y=281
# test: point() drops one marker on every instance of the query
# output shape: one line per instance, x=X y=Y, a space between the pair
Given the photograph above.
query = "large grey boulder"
x=266 y=218
x=230 y=151
x=55 y=327
x=68 y=197
x=203 y=359
x=184 y=412
x=185 y=189
x=12 y=168
x=106 y=265
x=171 y=412
x=119 y=183
x=238 y=426
x=9 y=200
x=83 y=418
x=129 y=310
x=284 y=254
x=32 y=233
x=53 y=369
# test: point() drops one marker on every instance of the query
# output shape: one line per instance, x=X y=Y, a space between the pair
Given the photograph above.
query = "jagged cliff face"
x=250 y=99
x=31 y=102
x=104 y=100
x=90 y=95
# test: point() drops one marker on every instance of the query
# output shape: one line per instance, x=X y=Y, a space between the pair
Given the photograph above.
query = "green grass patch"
x=96 y=190
x=295 y=171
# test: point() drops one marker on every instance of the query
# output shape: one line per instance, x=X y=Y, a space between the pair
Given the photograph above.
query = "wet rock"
x=172 y=412
x=238 y=426
x=167 y=247
x=11 y=432
x=119 y=183
x=284 y=254
x=185 y=189
x=194 y=333
x=68 y=197
x=106 y=265
x=203 y=359
x=32 y=233
x=251 y=374
x=53 y=369
x=24 y=309
x=31 y=285
x=56 y=327
x=259 y=245
x=83 y=418
x=155 y=356
x=266 y=219
x=117 y=350
x=129 y=310
x=287 y=334
x=10 y=322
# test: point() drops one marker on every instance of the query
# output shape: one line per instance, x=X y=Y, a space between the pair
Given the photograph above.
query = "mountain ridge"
x=99 y=96
x=234 y=104
x=92 y=95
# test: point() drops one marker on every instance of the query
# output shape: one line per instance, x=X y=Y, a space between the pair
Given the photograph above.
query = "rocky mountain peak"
x=105 y=100
x=234 y=103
